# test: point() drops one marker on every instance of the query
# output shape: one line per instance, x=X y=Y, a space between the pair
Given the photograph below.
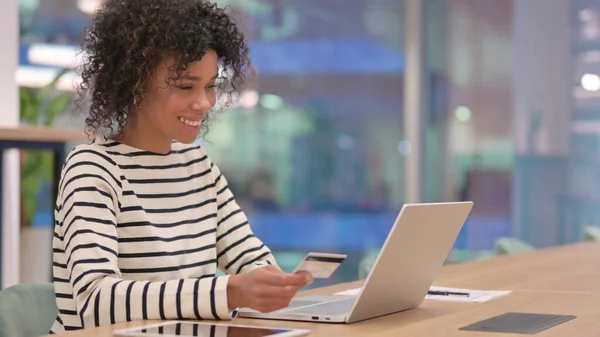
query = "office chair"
x=27 y=310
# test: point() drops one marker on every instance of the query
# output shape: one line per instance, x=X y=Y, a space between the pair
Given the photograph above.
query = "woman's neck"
x=144 y=138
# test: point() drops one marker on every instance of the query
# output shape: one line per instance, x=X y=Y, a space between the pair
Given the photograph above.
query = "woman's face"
x=175 y=110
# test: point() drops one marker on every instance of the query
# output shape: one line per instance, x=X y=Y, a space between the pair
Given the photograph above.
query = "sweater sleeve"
x=90 y=191
x=238 y=250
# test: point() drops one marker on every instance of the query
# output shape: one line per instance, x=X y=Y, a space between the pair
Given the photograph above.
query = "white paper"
x=475 y=296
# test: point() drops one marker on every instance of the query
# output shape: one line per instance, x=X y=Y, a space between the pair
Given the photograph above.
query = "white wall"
x=9 y=116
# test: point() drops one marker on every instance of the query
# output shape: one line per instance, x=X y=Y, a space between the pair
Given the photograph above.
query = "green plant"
x=38 y=107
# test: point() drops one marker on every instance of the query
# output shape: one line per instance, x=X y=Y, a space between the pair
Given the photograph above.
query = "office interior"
x=361 y=106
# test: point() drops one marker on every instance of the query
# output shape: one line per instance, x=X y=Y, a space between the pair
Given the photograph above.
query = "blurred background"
x=506 y=98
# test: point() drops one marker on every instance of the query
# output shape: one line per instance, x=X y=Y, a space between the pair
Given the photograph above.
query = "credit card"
x=320 y=265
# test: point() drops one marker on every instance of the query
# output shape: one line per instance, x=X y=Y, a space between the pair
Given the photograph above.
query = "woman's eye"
x=211 y=86
x=186 y=87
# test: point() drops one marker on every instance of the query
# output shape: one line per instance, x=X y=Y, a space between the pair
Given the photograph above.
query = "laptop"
x=408 y=263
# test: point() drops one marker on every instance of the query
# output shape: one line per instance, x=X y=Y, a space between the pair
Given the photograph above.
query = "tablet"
x=202 y=329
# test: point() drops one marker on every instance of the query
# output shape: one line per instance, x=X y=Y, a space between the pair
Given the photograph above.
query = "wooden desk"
x=28 y=134
x=570 y=268
x=561 y=280
x=434 y=318
x=551 y=270
x=35 y=138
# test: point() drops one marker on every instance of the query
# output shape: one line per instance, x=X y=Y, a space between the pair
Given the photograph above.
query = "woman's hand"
x=265 y=289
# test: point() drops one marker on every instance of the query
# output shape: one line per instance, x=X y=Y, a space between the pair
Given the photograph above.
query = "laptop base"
x=304 y=303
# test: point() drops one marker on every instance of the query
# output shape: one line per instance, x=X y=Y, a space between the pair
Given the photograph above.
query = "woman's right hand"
x=265 y=289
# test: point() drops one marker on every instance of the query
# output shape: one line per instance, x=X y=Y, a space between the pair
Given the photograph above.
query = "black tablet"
x=517 y=322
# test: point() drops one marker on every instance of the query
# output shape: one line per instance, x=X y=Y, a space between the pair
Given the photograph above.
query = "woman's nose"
x=199 y=107
x=201 y=104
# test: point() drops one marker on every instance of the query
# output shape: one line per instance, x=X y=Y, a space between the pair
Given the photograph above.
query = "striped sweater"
x=140 y=235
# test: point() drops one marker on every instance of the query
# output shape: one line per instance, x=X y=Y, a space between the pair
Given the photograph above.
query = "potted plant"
x=41 y=107
x=38 y=107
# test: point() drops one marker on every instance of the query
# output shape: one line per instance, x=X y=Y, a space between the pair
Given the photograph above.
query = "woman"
x=144 y=219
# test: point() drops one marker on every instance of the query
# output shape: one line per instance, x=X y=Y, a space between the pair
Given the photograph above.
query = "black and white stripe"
x=140 y=236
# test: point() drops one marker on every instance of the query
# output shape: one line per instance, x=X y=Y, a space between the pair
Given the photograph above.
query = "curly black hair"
x=128 y=39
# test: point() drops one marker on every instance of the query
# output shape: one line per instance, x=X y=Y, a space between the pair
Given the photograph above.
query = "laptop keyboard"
x=302 y=303
x=326 y=308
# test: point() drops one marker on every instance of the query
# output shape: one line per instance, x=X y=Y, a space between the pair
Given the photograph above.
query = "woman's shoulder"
x=90 y=152
x=89 y=165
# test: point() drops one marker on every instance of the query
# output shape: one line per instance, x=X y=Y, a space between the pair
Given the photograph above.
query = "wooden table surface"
x=570 y=268
x=41 y=134
x=562 y=280
x=436 y=318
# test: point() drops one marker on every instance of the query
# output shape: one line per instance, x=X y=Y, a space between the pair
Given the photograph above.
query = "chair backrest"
x=591 y=233
x=27 y=310
x=509 y=246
